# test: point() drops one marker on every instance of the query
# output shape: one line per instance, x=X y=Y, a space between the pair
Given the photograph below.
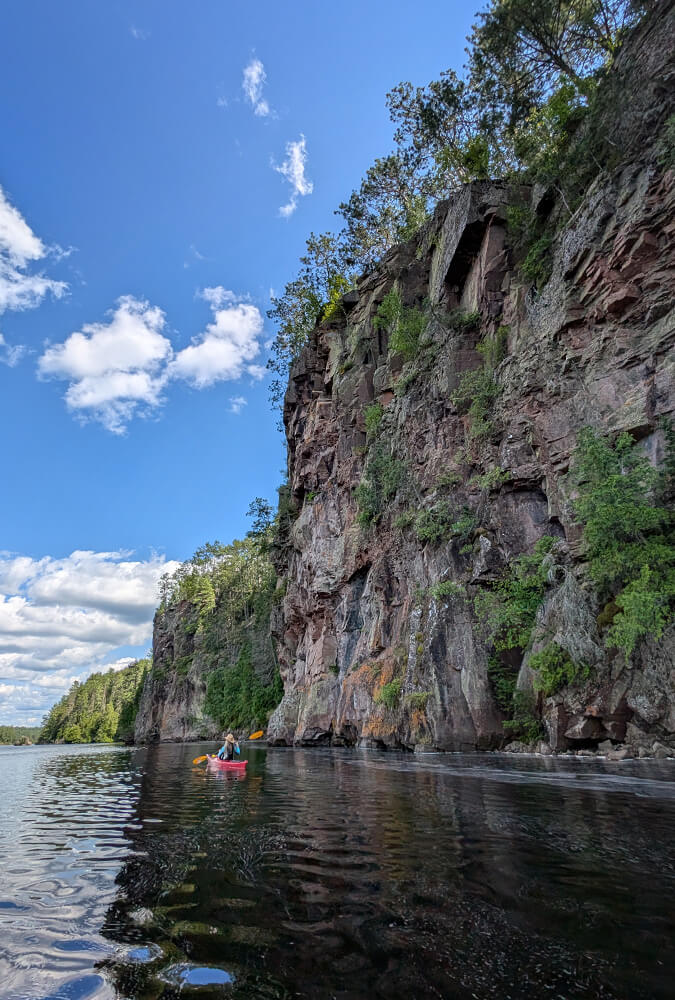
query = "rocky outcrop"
x=172 y=703
x=370 y=652
x=187 y=649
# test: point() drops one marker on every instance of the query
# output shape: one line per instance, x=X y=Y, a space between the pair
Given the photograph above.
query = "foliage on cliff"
x=508 y=610
x=625 y=506
x=227 y=579
x=19 y=734
x=102 y=709
x=528 y=107
x=236 y=697
x=226 y=594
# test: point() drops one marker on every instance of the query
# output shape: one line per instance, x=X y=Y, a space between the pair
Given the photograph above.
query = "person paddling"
x=228 y=748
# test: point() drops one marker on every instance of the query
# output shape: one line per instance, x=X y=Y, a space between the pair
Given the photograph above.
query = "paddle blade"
x=256 y=736
x=198 y=760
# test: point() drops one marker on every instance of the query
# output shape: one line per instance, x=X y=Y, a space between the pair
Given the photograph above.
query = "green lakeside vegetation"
x=101 y=709
x=19 y=735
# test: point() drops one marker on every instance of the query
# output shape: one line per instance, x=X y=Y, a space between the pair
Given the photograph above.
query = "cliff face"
x=593 y=347
x=173 y=705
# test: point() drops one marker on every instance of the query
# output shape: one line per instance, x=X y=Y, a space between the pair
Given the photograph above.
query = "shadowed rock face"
x=172 y=706
x=593 y=347
x=172 y=703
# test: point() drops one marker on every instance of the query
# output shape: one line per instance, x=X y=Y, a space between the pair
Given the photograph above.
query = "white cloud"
x=194 y=254
x=62 y=619
x=222 y=102
x=115 y=369
x=227 y=347
x=140 y=34
x=237 y=403
x=293 y=169
x=120 y=663
x=252 y=85
x=19 y=247
x=10 y=354
x=119 y=369
x=217 y=296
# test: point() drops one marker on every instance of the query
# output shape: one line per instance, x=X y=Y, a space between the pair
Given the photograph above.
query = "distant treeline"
x=100 y=710
x=19 y=734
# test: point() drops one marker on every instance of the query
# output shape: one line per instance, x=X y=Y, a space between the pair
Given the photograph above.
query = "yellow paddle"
x=253 y=736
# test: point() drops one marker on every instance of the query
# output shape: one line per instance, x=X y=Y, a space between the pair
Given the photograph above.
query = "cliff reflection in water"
x=354 y=875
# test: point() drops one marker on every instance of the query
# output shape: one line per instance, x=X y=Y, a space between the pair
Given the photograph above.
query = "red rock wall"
x=593 y=347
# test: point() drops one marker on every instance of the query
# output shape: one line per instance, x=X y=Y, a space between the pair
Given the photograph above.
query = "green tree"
x=389 y=206
x=321 y=278
x=262 y=514
x=629 y=534
x=443 y=133
x=73 y=734
x=102 y=709
x=523 y=50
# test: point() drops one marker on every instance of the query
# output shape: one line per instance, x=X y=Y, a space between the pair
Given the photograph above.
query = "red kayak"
x=227 y=765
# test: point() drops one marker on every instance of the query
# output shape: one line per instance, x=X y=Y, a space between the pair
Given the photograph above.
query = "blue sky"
x=162 y=164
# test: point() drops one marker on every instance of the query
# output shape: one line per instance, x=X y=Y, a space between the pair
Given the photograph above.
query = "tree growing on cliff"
x=261 y=513
x=390 y=205
x=528 y=86
x=533 y=65
x=521 y=51
x=321 y=279
x=443 y=134
x=629 y=534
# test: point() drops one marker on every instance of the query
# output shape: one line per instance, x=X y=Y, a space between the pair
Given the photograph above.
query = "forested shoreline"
x=101 y=709
x=19 y=735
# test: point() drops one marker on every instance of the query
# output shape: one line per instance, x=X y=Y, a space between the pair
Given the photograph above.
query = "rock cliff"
x=173 y=705
x=371 y=650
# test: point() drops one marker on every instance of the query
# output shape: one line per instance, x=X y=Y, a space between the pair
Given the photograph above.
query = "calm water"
x=131 y=873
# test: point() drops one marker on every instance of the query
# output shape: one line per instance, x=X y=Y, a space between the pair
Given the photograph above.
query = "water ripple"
x=132 y=874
